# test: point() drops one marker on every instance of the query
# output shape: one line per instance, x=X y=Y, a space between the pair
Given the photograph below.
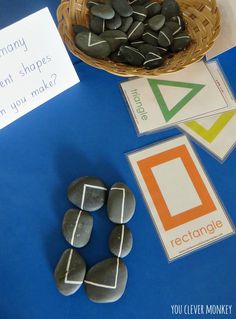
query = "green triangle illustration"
x=168 y=114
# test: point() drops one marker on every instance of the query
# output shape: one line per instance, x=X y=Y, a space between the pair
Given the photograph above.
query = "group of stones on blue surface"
x=118 y=29
x=106 y=281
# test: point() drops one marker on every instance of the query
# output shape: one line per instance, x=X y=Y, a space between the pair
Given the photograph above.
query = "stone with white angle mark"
x=153 y=60
x=150 y=37
x=120 y=241
x=87 y=193
x=139 y=13
x=106 y=281
x=70 y=272
x=165 y=37
x=77 y=227
x=121 y=203
x=97 y=25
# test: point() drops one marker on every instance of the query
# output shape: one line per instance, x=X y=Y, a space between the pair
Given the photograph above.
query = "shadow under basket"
x=202 y=18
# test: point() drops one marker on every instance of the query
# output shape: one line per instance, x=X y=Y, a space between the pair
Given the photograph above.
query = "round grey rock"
x=156 y=22
x=79 y=28
x=120 y=241
x=146 y=48
x=70 y=272
x=97 y=25
x=87 y=193
x=139 y=13
x=136 y=44
x=114 y=23
x=122 y=7
x=153 y=60
x=135 y=31
x=126 y=24
x=103 y=11
x=181 y=41
x=179 y=20
x=115 y=38
x=106 y=281
x=153 y=8
x=131 y=55
x=170 y=8
x=121 y=201
x=175 y=27
x=165 y=37
x=150 y=37
x=77 y=227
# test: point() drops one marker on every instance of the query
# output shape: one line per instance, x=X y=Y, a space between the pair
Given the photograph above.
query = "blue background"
x=87 y=131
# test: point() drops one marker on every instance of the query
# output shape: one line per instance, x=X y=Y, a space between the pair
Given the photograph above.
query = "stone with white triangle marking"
x=93 y=45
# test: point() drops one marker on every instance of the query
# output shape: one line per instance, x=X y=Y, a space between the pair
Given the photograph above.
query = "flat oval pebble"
x=115 y=38
x=153 y=60
x=79 y=28
x=87 y=193
x=153 y=8
x=156 y=22
x=150 y=37
x=135 y=31
x=178 y=20
x=136 y=44
x=175 y=27
x=114 y=23
x=121 y=201
x=131 y=55
x=92 y=3
x=165 y=37
x=170 y=8
x=106 y=281
x=162 y=51
x=70 y=272
x=180 y=42
x=103 y=11
x=146 y=48
x=139 y=13
x=120 y=241
x=115 y=57
x=97 y=25
x=122 y=7
x=77 y=227
x=126 y=24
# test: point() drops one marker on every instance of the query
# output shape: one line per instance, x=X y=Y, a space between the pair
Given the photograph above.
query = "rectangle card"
x=169 y=99
x=185 y=209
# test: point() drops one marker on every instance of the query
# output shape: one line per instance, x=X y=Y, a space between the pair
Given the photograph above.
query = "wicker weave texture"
x=202 y=19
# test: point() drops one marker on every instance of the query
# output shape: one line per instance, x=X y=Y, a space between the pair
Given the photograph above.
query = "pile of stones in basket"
x=106 y=281
x=137 y=32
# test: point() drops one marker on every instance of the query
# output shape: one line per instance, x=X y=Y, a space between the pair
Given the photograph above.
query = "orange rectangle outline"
x=168 y=221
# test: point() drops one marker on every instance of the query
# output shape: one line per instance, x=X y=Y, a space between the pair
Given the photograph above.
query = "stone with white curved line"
x=120 y=241
x=121 y=204
x=77 y=227
x=106 y=281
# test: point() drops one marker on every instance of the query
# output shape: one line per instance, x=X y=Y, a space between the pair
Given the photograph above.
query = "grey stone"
x=179 y=20
x=132 y=2
x=87 y=193
x=153 y=8
x=120 y=241
x=175 y=27
x=106 y=281
x=103 y=11
x=139 y=13
x=79 y=28
x=122 y=7
x=136 y=44
x=92 y=3
x=70 y=272
x=114 y=23
x=97 y=25
x=181 y=41
x=170 y=8
x=165 y=37
x=150 y=37
x=115 y=38
x=146 y=48
x=126 y=24
x=157 y=22
x=135 y=31
x=115 y=57
x=131 y=55
x=153 y=60
x=77 y=227
x=121 y=201
x=162 y=51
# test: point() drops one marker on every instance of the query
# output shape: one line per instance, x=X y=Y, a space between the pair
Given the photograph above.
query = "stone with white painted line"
x=121 y=203
x=77 y=227
x=70 y=272
x=88 y=193
x=120 y=241
x=139 y=13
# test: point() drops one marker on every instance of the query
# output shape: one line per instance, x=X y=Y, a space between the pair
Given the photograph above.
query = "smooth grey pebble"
x=106 y=281
x=120 y=241
x=70 y=272
x=126 y=24
x=150 y=37
x=115 y=38
x=153 y=60
x=153 y=8
x=92 y=3
x=139 y=13
x=121 y=201
x=165 y=37
x=87 y=193
x=170 y=8
x=135 y=31
x=180 y=42
x=122 y=7
x=115 y=57
x=114 y=23
x=146 y=48
x=77 y=227
x=136 y=44
x=175 y=27
x=97 y=25
x=179 y=20
x=103 y=11
x=132 y=57
x=157 y=22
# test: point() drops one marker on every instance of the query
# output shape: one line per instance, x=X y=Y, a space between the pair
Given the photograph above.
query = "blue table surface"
x=87 y=131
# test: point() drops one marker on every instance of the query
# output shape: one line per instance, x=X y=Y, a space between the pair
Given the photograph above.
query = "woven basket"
x=202 y=19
